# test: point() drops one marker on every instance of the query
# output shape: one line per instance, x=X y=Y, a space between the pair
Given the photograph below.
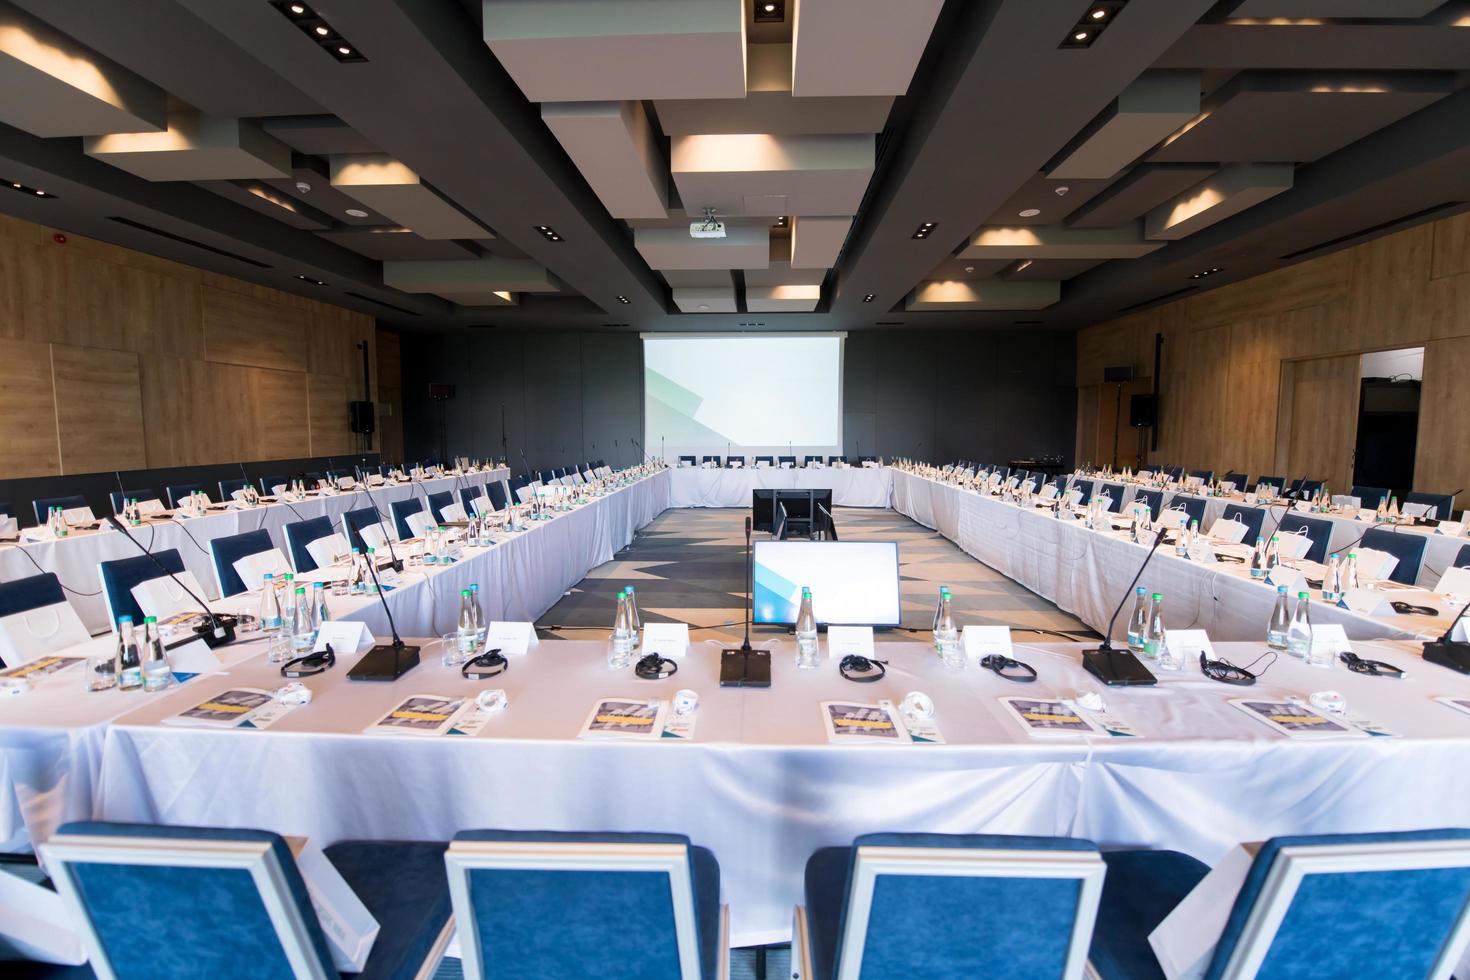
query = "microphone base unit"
x=1449 y=653
x=385 y=662
x=1117 y=668
x=216 y=637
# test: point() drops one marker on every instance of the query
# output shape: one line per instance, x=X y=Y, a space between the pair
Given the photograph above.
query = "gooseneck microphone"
x=219 y=633
x=387 y=538
x=1120 y=667
x=749 y=588
x=1448 y=652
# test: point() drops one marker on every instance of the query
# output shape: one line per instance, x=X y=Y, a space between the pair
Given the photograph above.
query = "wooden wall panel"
x=161 y=364
x=389 y=439
x=27 y=411
x=1223 y=400
x=330 y=435
x=1324 y=419
x=99 y=409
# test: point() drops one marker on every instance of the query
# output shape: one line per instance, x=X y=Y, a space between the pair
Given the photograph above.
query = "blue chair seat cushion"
x=404 y=887
x=1140 y=890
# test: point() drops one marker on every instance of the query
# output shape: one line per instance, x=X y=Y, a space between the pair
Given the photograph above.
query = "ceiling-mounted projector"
x=710 y=227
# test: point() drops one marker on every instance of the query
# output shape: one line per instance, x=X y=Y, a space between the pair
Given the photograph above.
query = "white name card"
x=1331 y=639
x=1451 y=528
x=843 y=640
x=1295 y=582
x=982 y=641
x=193 y=657
x=1455 y=581
x=1187 y=645
x=512 y=639
x=666 y=639
x=1366 y=602
x=349 y=927
x=344 y=636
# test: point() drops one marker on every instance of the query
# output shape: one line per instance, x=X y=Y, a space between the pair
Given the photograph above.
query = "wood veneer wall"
x=1233 y=355
x=114 y=359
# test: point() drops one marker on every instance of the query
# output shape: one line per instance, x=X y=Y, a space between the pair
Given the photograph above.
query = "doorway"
x=1388 y=418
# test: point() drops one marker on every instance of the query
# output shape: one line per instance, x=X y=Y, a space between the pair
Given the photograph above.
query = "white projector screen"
x=760 y=394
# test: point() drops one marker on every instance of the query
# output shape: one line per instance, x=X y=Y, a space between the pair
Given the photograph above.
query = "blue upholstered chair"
x=1444 y=503
x=1175 y=472
x=1304 y=487
x=668 y=923
x=1370 y=496
x=1114 y=493
x=710 y=459
x=874 y=909
x=786 y=461
x=119 y=497
x=1084 y=487
x=545 y=476
x=1408 y=548
x=225 y=551
x=179 y=491
x=1318 y=530
x=1252 y=517
x=267 y=482
x=49 y=626
x=1391 y=906
x=299 y=534
x=1194 y=507
x=690 y=460
x=467 y=495
x=1242 y=481
x=43 y=506
x=227 y=488
x=1462 y=557
x=836 y=459
x=355 y=520
x=120 y=576
x=32 y=592
x=732 y=460
x=498 y=496
x=1154 y=499
x=872 y=459
x=1205 y=475
x=6 y=510
x=235 y=903
x=400 y=509
x=437 y=503
x=1279 y=482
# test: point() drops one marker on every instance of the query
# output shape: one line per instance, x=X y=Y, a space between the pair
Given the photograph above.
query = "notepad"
x=1048 y=718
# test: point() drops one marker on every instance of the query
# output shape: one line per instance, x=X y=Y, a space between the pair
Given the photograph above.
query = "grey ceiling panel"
x=1040 y=193
x=1142 y=189
x=952 y=268
x=1340 y=45
x=258 y=196
x=1155 y=105
x=322 y=196
x=390 y=244
x=694 y=278
x=317 y=135
x=1338 y=9
x=988 y=294
x=1050 y=269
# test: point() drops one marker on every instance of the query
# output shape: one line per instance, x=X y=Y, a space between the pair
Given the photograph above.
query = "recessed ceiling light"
x=969 y=270
x=1099 y=14
x=343 y=49
x=356 y=213
x=870 y=297
x=622 y=299
x=924 y=230
x=29 y=191
x=704 y=306
x=322 y=30
x=299 y=9
x=1030 y=212
x=770 y=11
x=314 y=282
x=1080 y=36
x=548 y=233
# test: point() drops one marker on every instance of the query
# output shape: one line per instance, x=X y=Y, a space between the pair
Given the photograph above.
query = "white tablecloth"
x=1086 y=573
x=761 y=786
x=851 y=486
x=75 y=558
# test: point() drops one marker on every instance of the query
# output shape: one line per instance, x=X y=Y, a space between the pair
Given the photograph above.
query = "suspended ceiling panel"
x=596 y=50
x=1040 y=194
x=383 y=183
x=270 y=202
x=1227 y=193
x=687 y=278
x=964 y=269
x=310 y=182
x=768 y=175
x=486 y=275
x=56 y=87
x=985 y=294
x=859 y=47
x=1140 y=190
x=1059 y=243
x=1335 y=8
x=1297 y=117
x=396 y=245
x=769 y=106
x=617 y=151
x=1032 y=270
x=743 y=247
x=317 y=135
x=816 y=242
x=195 y=147
x=801 y=298
x=705 y=299
x=1144 y=113
x=476 y=298
x=780 y=273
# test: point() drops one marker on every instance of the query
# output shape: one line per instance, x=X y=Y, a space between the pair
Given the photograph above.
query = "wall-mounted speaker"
x=440 y=392
x=1141 y=409
x=361 y=414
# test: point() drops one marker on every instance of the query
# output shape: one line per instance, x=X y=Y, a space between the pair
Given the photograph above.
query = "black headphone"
x=862 y=669
x=652 y=667
x=1001 y=663
x=488 y=664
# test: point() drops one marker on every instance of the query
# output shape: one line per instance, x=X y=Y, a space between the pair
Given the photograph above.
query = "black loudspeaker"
x=1141 y=411
x=1117 y=375
x=363 y=420
x=440 y=392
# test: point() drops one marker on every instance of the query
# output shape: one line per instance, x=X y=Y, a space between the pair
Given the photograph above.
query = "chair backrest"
x=258 y=909
x=1177 y=472
x=786 y=459
x=1242 y=481
x=400 y=510
x=437 y=502
x=1085 y=486
x=498 y=496
x=6 y=510
x=1253 y=518
x=1193 y=506
x=1205 y=475
x=355 y=520
x=36 y=620
x=1114 y=493
x=768 y=460
x=1303 y=486
x=228 y=488
x=1320 y=906
x=1370 y=496
x=1407 y=547
x=299 y=534
x=1462 y=557
x=691 y=460
x=1444 y=503
x=710 y=459
x=43 y=505
x=546 y=476
x=267 y=482
x=1274 y=481
x=1319 y=531
x=179 y=491
x=467 y=495
x=119 y=577
x=812 y=459
x=1154 y=499
x=32 y=592
x=668 y=926
x=836 y=459
x=895 y=883
x=732 y=460
x=227 y=550
x=121 y=497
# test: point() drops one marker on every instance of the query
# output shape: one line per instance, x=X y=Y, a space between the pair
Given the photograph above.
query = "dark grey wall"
x=982 y=395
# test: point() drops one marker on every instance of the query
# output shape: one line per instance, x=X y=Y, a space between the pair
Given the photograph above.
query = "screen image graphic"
x=853 y=583
x=757 y=393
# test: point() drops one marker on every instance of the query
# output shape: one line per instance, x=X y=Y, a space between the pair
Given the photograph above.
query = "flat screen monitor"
x=853 y=583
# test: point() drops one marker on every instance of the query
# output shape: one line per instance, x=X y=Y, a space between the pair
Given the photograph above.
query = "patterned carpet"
x=688 y=566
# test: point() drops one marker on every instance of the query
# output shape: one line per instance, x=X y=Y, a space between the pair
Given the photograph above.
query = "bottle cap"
x=1303 y=595
x=149 y=619
x=268 y=577
x=1158 y=596
x=124 y=619
x=1281 y=589
x=301 y=591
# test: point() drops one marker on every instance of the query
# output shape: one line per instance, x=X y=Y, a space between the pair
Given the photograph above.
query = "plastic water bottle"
x=939 y=605
x=621 y=652
x=633 y=620
x=1273 y=555
x=354 y=574
x=1393 y=508
x=303 y=624
x=468 y=633
x=129 y=661
x=156 y=672
x=947 y=638
x=1350 y=576
x=319 y=601
x=1138 y=620
x=288 y=605
x=1153 y=634
x=270 y=605
x=369 y=570
x=1299 y=634
x=1258 y=559
x=1332 y=579
x=1382 y=509
x=806 y=632
x=482 y=628
x=1280 y=624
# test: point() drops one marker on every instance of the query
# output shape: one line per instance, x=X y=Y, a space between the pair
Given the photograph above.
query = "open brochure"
x=1048 y=717
x=1293 y=718
x=847 y=721
x=227 y=709
x=421 y=714
x=625 y=718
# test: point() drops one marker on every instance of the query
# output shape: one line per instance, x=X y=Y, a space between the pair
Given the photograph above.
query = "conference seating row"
x=158 y=901
x=737 y=461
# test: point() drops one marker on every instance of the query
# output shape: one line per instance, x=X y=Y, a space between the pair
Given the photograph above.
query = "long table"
x=851 y=486
x=75 y=558
x=1086 y=572
x=760 y=784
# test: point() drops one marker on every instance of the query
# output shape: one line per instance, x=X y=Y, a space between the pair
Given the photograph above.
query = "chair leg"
x=760 y=963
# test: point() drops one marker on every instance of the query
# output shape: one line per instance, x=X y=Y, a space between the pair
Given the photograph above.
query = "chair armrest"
x=801 y=946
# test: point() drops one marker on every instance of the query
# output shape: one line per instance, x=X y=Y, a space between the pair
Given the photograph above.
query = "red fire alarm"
x=59 y=238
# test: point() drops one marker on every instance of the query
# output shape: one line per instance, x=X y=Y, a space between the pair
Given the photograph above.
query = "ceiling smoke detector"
x=710 y=227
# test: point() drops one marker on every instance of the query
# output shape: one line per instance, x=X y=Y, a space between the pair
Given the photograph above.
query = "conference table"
x=760 y=784
x=1087 y=573
x=75 y=557
x=851 y=486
